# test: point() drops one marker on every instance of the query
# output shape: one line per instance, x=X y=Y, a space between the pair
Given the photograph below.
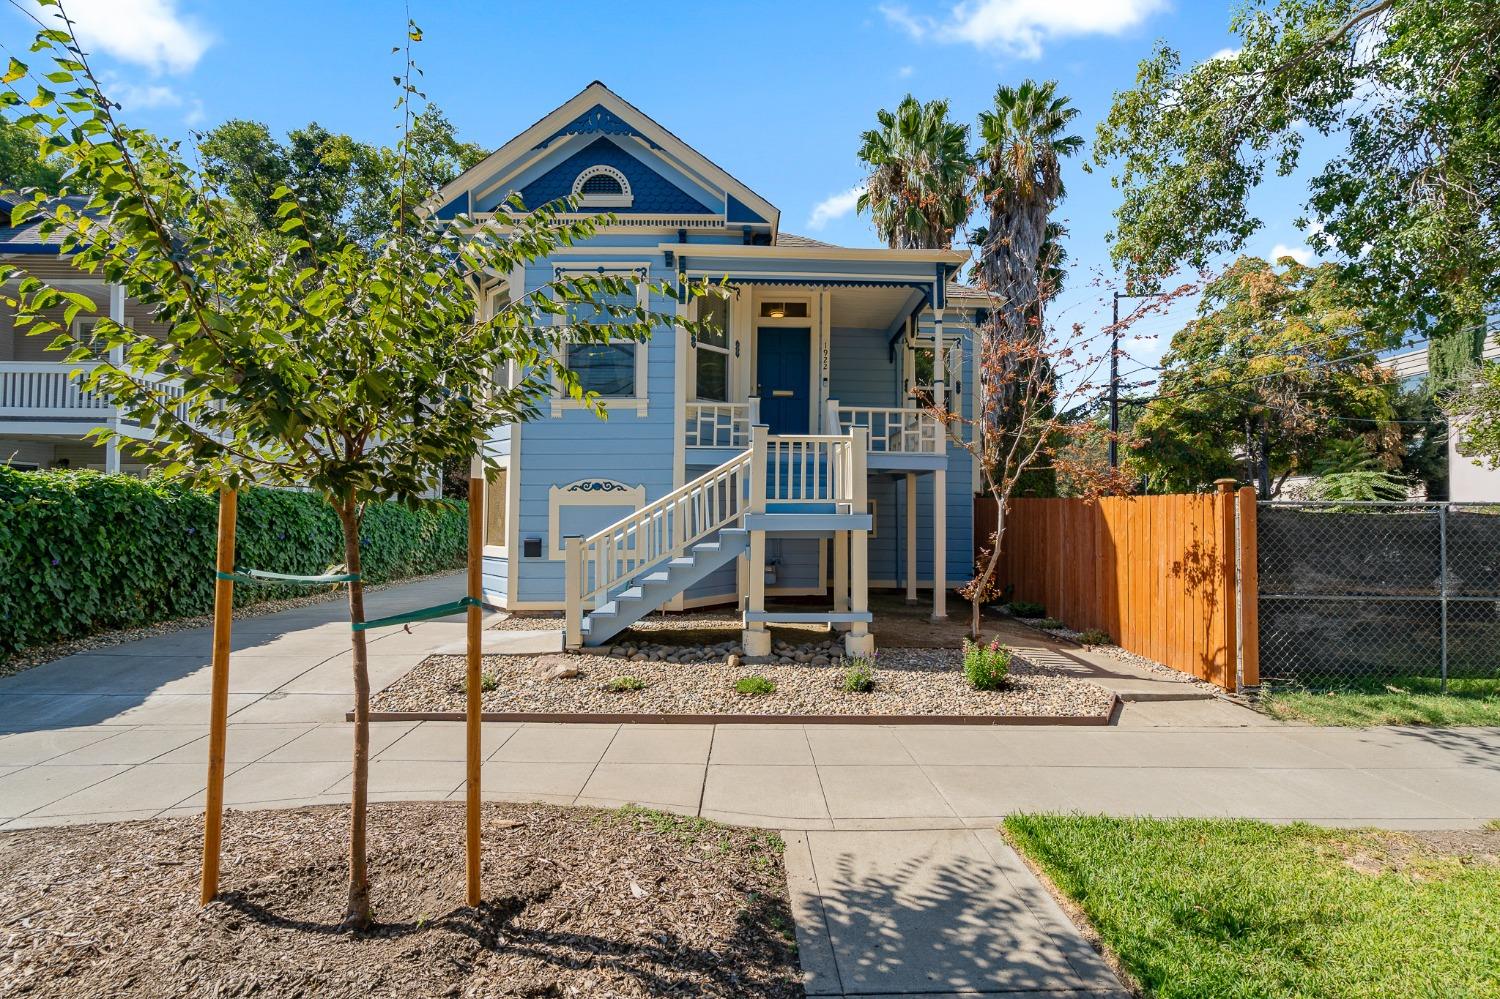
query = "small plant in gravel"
x=1095 y=636
x=1025 y=608
x=1047 y=623
x=859 y=675
x=625 y=684
x=986 y=666
x=488 y=683
x=755 y=685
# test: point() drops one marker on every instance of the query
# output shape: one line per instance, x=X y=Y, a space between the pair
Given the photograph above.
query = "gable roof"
x=597 y=109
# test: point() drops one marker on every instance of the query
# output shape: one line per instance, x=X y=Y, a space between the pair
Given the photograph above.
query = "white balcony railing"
x=43 y=390
x=721 y=424
x=893 y=429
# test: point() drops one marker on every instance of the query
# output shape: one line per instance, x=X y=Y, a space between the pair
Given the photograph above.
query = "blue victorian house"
x=791 y=453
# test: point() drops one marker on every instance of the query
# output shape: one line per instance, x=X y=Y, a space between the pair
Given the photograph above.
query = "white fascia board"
x=730 y=250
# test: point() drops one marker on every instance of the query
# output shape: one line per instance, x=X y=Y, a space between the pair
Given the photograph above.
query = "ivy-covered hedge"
x=82 y=552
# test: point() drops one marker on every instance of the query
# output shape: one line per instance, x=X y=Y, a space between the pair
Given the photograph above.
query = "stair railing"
x=661 y=530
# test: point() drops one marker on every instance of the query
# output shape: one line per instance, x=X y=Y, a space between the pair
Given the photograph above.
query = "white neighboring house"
x=1469 y=480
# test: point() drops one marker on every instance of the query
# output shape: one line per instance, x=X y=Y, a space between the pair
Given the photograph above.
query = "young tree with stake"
x=353 y=370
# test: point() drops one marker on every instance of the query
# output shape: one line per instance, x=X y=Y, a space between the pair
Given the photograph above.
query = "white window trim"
x=79 y=322
x=586 y=492
x=727 y=349
x=951 y=385
x=624 y=199
x=501 y=551
x=639 y=403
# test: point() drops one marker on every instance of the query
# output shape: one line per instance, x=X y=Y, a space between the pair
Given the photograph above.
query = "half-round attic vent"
x=603 y=187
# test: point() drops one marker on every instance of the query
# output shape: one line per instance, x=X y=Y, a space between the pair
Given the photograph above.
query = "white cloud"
x=1301 y=254
x=905 y=71
x=1225 y=54
x=141 y=96
x=149 y=33
x=1020 y=27
x=834 y=207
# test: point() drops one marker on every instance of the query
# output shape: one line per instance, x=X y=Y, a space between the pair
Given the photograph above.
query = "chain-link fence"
x=1354 y=593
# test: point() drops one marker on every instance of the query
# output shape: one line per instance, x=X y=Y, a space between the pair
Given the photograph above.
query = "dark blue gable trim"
x=651 y=192
x=458 y=206
x=597 y=120
x=740 y=212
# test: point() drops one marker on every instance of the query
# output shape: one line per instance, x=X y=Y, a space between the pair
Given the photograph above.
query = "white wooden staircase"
x=803 y=484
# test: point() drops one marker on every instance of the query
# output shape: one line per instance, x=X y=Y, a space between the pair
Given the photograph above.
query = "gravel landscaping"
x=580 y=902
x=907 y=682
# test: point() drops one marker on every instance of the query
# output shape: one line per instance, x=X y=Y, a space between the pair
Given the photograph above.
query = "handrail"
x=39 y=389
x=658 y=531
x=808 y=468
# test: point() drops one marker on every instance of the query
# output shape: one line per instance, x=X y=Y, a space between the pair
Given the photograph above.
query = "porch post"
x=939 y=545
x=911 y=537
x=116 y=358
x=840 y=571
x=859 y=641
x=755 y=639
x=831 y=417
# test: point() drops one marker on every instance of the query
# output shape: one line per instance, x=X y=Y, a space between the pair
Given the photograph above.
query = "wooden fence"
x=1158 y=573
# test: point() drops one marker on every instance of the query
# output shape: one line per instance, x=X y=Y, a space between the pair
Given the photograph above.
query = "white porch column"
x=831 y=417
x=840 y=571
x=939 y=545
x=911 y=537
x=859 y=641
x=116 y=358
x=755 y=639
x=939 y=480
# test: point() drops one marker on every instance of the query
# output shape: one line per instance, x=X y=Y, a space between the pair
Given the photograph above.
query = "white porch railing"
x=721 y=424
x=809 y=469
x=893 y=429
x=43 y=390
x=658 y=531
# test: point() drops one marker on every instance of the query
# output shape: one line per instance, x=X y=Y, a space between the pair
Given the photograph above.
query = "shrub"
x=986 y=666
x=1047 y=623
x=1095 y=636
x=488 y=682
x=83 y=552
x=755 y=684
x=859 y=676
x=625 y=684
x=1025 y=608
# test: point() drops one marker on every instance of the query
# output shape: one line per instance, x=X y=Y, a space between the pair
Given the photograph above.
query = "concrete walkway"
x=900 y=882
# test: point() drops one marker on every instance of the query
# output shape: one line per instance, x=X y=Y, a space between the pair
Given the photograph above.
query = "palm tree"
x=918 y=190
x=1020 y=182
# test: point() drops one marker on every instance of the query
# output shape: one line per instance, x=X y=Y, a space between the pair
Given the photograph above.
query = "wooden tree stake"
x=218 y=717
x=473 y=705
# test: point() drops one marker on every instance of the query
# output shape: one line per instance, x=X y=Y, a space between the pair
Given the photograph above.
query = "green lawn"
x=1400 y=701
x=1197 y=909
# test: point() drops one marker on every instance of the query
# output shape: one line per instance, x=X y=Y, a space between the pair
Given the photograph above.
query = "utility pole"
x=1114 y=387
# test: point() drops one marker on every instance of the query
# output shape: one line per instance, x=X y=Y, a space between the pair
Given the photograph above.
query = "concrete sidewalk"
x=899 y=881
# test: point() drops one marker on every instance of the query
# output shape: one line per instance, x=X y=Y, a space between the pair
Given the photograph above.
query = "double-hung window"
x=921 y=369
x=614 y=370
x=711 y=353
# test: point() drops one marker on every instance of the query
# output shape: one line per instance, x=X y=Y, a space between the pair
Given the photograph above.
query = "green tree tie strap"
x=260 y=576
x=426 y=613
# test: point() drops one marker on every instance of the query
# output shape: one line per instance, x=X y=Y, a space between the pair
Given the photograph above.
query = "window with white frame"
x=603 y=187
x=920 y=368
x=711 y=354
x=85 y=330
x=614 y=369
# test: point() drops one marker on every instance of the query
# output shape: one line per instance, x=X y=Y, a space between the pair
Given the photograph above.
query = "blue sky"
x=777 y=93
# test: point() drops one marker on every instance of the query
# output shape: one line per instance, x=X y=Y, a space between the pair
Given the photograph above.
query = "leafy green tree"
x=1478 y=414
x=918 y=188
x=22 y=165
x=1278 y=363
x=346 y=186
x=1411 y=90
x=353 y=371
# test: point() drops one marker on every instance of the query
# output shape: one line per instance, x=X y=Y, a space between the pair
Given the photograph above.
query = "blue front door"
x=781 y=371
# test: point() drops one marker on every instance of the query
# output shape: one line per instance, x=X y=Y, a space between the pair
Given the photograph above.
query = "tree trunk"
x=982 y=585
x=357 y=916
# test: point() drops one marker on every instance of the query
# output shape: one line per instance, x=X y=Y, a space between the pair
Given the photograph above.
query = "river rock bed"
x=907 y=682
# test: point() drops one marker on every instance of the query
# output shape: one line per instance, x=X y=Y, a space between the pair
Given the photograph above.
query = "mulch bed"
x=908 y=682
x=580 y=902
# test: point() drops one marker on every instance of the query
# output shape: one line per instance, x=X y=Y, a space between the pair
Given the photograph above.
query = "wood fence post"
x=218 y=700
x=1249 y=594
x=473 y=703
x=1226 y=502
